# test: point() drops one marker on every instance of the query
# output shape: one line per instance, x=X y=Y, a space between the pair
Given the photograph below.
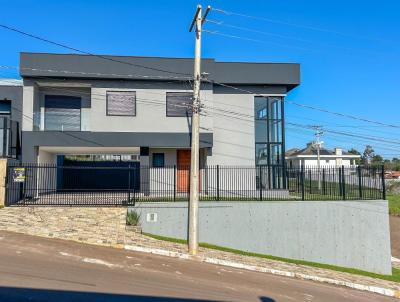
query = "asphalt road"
x=39 y=269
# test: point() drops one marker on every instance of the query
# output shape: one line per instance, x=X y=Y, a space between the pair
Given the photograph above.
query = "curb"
x=373 y=289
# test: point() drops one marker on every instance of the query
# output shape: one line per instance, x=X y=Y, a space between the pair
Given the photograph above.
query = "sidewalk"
x=141 y=243
x=106 y=226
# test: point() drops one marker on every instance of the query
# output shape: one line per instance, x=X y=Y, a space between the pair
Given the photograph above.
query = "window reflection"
x=268 y=130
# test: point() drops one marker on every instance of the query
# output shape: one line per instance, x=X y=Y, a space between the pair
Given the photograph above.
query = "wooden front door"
x=183 y=167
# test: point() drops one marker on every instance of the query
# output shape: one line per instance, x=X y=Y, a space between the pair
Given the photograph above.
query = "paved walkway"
x=106 y=226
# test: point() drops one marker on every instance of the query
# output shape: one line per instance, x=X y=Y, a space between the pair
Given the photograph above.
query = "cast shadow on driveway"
x=16 y=294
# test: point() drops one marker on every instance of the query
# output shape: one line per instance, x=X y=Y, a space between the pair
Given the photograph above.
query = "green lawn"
x=394 y=204
x=395 y=277
x=332 y=190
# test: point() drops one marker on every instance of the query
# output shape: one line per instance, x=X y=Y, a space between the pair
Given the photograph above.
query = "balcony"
x=61 y=113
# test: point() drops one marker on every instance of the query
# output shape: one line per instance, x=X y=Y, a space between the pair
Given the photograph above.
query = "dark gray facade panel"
x=154 y=68
x=257 y=73
x=126 y=67
x=32 y=139
x=261 y=89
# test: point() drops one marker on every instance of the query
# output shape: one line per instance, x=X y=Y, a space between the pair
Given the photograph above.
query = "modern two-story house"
x=80 y=104
x=140 y=108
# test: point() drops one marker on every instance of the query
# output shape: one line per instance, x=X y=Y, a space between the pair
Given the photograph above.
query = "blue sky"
x=349 y=51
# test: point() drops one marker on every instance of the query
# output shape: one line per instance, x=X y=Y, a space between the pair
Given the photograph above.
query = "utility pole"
x=318 y=143
x=197 y=22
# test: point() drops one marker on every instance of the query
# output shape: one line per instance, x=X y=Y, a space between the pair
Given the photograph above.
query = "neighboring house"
x=10 y=117
x=308 y=157
x=392 y=175
x=81 y=104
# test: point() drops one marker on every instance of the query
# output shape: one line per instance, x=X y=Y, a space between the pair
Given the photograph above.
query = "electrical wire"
x=108 y=58
x=308 y=27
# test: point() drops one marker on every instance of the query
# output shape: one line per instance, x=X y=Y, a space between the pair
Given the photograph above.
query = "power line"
x=310 y=107
x=227 y=25
x=86 y=52
x=250 y=119
x=69 y=72
x=226 y=113
x=251 y=39
x=308 y=27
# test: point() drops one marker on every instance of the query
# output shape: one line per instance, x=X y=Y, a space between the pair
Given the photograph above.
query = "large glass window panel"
x=260 y=108
x=261 y=154
x=268 y=126
x=261 y=131
x=275 y=131
x=275 y=108
x=62 y=113
x=275 y=154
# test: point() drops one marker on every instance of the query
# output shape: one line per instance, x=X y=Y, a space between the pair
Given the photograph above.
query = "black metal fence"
x=44 y=184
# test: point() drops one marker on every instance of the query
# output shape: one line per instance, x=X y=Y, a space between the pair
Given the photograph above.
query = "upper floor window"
x=179 y=103
x=5 y=107
x=62 y=113
x=121 y=103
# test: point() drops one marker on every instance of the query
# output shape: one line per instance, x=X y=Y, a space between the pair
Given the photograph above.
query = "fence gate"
x=79 y=184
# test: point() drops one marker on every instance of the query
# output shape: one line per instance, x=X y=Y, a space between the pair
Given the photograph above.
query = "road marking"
x=100 y=262
x=65 y=254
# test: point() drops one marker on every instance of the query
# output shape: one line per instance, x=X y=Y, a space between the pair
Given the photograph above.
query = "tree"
x=376 y=160
x=395 y=165
x=368 y=154
x=355 y=152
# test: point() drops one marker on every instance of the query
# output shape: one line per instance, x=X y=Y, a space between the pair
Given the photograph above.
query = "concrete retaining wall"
x=345 y=233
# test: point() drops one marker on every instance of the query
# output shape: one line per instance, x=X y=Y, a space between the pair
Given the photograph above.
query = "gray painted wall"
x=351 y=234
x=233 y=143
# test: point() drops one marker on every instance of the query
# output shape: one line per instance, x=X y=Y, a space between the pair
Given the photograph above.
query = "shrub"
x=132 y=218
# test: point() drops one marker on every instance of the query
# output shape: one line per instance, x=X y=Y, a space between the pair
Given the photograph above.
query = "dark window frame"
x=178 y=92
x=119 y=91
x=153 y=156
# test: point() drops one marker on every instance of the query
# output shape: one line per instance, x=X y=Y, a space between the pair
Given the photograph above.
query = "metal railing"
x=47 y=184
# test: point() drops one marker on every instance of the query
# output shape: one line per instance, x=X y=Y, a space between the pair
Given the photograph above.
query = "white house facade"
x=308 y=157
